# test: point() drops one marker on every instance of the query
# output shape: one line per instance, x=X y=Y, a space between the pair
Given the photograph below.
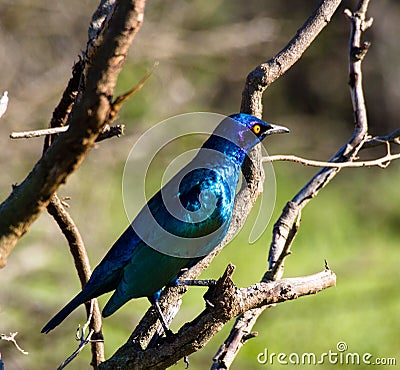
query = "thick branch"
x=225 y=302
x=28 y=200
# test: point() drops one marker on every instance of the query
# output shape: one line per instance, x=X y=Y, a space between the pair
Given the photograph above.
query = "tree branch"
x=82 y=265
x=28 y=200
x=108 y=132
x=263 y=75
x=225 y=301
x=11 y=338
x=379 y=162
x=393 y=137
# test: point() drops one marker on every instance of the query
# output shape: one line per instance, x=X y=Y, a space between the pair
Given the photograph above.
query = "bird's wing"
x=109 y=271
x=189 y=216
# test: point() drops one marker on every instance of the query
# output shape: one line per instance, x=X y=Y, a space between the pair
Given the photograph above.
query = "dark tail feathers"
x=57 y=319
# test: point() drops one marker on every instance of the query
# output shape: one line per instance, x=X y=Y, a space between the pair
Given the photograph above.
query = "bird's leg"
x=167 y=330
x=164 y=324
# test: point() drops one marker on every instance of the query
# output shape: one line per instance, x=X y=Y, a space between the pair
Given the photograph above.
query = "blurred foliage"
x=205 y=50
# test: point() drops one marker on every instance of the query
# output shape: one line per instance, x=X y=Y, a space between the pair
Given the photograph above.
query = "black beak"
x=275 y=129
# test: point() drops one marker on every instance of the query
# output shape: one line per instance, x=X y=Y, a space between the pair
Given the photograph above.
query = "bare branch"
x=380 y=162
x=84 y=340
x=11 y=338
x=29 y=199
x=348 y=152
x=82 y=265
x=226 y=302
x=393 y=137
x=108 y=132
x=82 y=344
x=263 y=75
x=71 y=233
x=256 y=83
x=38 y=133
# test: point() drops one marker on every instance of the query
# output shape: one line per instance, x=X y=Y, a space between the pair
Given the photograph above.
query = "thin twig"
x=108 y=132
x=81 y=260
x=80 y=336
x=11 y=338
x=380 y=162
x=83 y=342
x=38 y=133
x=393 y=137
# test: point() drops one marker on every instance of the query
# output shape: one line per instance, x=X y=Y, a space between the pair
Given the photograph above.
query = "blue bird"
x=180 y=224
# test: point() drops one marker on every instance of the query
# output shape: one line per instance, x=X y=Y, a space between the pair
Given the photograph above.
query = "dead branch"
x=380 y=162
x=108 y=132
x=11 y=338
x=393 y=137
x=348 y=152
x=29 y=199
x=85 y=339
x=38 y=133
x=225 y=302
x=82 y=265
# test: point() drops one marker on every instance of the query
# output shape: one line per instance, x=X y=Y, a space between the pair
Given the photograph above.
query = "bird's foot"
x=190 y=282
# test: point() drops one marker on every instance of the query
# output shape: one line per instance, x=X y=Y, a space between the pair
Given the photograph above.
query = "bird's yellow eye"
x=257 y=129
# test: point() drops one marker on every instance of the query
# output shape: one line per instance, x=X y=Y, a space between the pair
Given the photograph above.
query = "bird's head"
x=246 y=130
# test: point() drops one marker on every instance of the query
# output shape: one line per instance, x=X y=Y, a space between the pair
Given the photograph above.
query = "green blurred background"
x=205 y=50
